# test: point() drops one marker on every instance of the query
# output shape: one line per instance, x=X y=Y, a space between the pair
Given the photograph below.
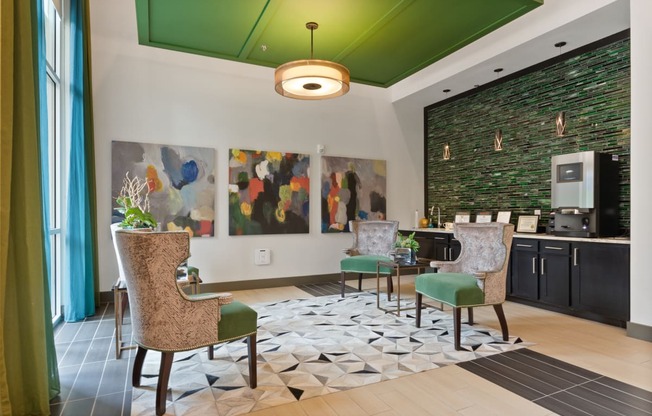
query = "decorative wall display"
x=462 y=217
x=504 y=216
x=525 y=107
x=268 y=192
x=181 y=182
x=527 y=224
x=483 y=217
x=351 y=189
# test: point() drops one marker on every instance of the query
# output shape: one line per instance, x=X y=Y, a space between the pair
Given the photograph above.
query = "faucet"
x=432 y=210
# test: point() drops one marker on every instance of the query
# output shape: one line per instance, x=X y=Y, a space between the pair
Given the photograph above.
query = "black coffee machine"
x=584 y=189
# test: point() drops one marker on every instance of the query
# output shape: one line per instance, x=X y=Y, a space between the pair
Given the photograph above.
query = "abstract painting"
x=268 y=192
x=351 y=189
x=180 y=179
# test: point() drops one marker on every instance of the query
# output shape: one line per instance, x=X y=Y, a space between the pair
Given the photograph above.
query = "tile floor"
x=94 y=382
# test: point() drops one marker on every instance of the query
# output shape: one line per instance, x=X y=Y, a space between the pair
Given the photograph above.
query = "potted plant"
x=133 y=203
x=403 y=242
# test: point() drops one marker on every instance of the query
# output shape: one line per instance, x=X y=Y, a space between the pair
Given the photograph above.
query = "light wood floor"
x=451 y=390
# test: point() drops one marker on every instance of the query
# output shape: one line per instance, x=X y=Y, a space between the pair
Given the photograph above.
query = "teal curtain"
x=80 y=236
x=28 y=372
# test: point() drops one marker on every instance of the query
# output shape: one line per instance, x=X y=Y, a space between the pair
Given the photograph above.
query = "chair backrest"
x=115 y=227
x=374 y=237
x=486 y=248
x=162 y=316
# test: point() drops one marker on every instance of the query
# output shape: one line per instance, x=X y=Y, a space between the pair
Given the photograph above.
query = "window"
x=55 y=68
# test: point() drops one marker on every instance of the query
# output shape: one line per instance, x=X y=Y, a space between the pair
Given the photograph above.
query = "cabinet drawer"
x=561 y=248
x=441 y=238
x=525 y=244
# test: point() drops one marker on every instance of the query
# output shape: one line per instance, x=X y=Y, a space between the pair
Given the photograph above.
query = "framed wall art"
x=527 y=224
x=180 y=179
x=483 y=217
x=351 y=189
x=268 y=192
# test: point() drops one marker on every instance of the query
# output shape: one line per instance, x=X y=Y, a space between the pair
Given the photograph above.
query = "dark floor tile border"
x=561 y=387
x=326 y=289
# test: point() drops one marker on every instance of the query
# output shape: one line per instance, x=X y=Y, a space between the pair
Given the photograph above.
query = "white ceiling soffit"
x=520 y=44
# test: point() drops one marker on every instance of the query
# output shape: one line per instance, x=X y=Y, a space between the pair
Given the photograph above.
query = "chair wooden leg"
x=342 y=283
x=418 y=306
x=138 y=366
x=360 y=282
x=253 y=367
x=118 y=320
x=470 y=316
x=163 y=379
x=210 y=352
x=503 y=322
x=457 y=327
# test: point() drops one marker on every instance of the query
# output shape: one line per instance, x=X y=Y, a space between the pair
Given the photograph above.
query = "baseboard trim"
x=639 y=331
x=106 y=297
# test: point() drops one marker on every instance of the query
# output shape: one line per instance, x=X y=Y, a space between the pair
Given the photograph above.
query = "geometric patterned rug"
x=312 y=347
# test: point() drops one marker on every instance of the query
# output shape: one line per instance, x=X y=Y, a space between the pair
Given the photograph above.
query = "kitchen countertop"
x=611 y=240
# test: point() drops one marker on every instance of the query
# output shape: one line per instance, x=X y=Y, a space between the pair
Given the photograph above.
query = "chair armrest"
x=351 y=251
x=222 y=298
x=446 y=266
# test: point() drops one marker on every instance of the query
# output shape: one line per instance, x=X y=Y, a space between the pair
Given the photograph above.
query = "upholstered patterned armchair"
x=476 y=278
x=164 y=317
x=372 y=242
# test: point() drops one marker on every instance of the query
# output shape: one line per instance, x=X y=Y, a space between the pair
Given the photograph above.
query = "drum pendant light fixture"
x=311 y=79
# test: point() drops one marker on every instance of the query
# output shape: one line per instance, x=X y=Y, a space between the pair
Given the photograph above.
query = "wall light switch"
x=262 y=256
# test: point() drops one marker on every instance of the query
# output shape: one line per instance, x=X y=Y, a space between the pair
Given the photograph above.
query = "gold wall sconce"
x=447 y=152
x=498 y=140
x=560 y=122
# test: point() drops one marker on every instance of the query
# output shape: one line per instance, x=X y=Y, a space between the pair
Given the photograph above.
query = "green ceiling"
x=380 y=41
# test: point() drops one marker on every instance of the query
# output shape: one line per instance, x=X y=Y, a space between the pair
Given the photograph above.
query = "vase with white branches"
x=133 y=203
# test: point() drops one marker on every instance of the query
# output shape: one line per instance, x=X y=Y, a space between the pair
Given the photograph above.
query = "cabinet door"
x=454 y=249
x=554 y=272
x=600 y=279
x=426 y=246
x=525 y=269
x=440 y=246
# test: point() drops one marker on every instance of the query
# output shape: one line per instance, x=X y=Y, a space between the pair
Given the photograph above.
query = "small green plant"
x=133 y=203
x=407 y=242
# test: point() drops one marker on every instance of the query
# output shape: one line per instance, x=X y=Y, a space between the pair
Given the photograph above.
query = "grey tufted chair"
x=372 y=242
x=476 y=278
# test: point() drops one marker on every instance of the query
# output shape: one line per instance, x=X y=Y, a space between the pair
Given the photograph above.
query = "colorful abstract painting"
x=268 y=192
x=351 y=189
x=181 y=182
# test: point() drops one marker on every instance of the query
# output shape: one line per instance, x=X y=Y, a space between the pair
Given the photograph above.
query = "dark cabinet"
x=524 y=272
x=454 y=248
x=585 y=279
x=436 y=245
x=554 y=272
x=600 y=280
x=426 y=246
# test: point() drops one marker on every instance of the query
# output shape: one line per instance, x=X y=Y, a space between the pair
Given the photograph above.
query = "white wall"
x=641 y=281
x=152 y=95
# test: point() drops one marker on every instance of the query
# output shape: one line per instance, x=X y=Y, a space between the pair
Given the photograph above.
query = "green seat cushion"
x=364 y=264
x=238 y=320
x=455 y=289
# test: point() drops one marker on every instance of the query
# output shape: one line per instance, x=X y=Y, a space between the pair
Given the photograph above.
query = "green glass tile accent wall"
x=592 y=89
